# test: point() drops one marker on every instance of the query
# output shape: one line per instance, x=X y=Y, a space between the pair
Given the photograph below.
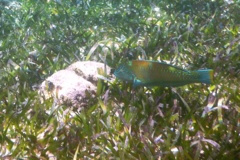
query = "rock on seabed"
x=75 y=86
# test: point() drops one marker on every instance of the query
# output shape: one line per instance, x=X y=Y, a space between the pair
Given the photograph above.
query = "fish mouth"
x=112 y=71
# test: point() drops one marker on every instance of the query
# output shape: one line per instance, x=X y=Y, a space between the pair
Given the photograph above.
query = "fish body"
x=151 y=73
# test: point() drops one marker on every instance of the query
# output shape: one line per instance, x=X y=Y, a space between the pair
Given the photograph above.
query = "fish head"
x=123 y=72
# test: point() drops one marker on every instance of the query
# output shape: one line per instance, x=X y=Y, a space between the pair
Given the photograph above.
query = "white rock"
x=88 y=70
x=74 y=86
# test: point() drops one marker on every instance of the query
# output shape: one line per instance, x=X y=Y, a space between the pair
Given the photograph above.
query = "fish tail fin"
x=206 y=76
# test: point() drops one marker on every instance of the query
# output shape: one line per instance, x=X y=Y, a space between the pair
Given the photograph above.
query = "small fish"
x=150 y=73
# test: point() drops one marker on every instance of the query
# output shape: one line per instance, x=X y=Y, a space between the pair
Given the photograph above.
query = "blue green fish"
x=150 y=73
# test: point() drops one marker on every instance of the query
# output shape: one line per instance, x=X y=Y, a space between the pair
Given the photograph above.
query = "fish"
x=153 y=73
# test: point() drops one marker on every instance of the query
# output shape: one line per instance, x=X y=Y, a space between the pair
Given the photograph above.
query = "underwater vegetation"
x=143 y=117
